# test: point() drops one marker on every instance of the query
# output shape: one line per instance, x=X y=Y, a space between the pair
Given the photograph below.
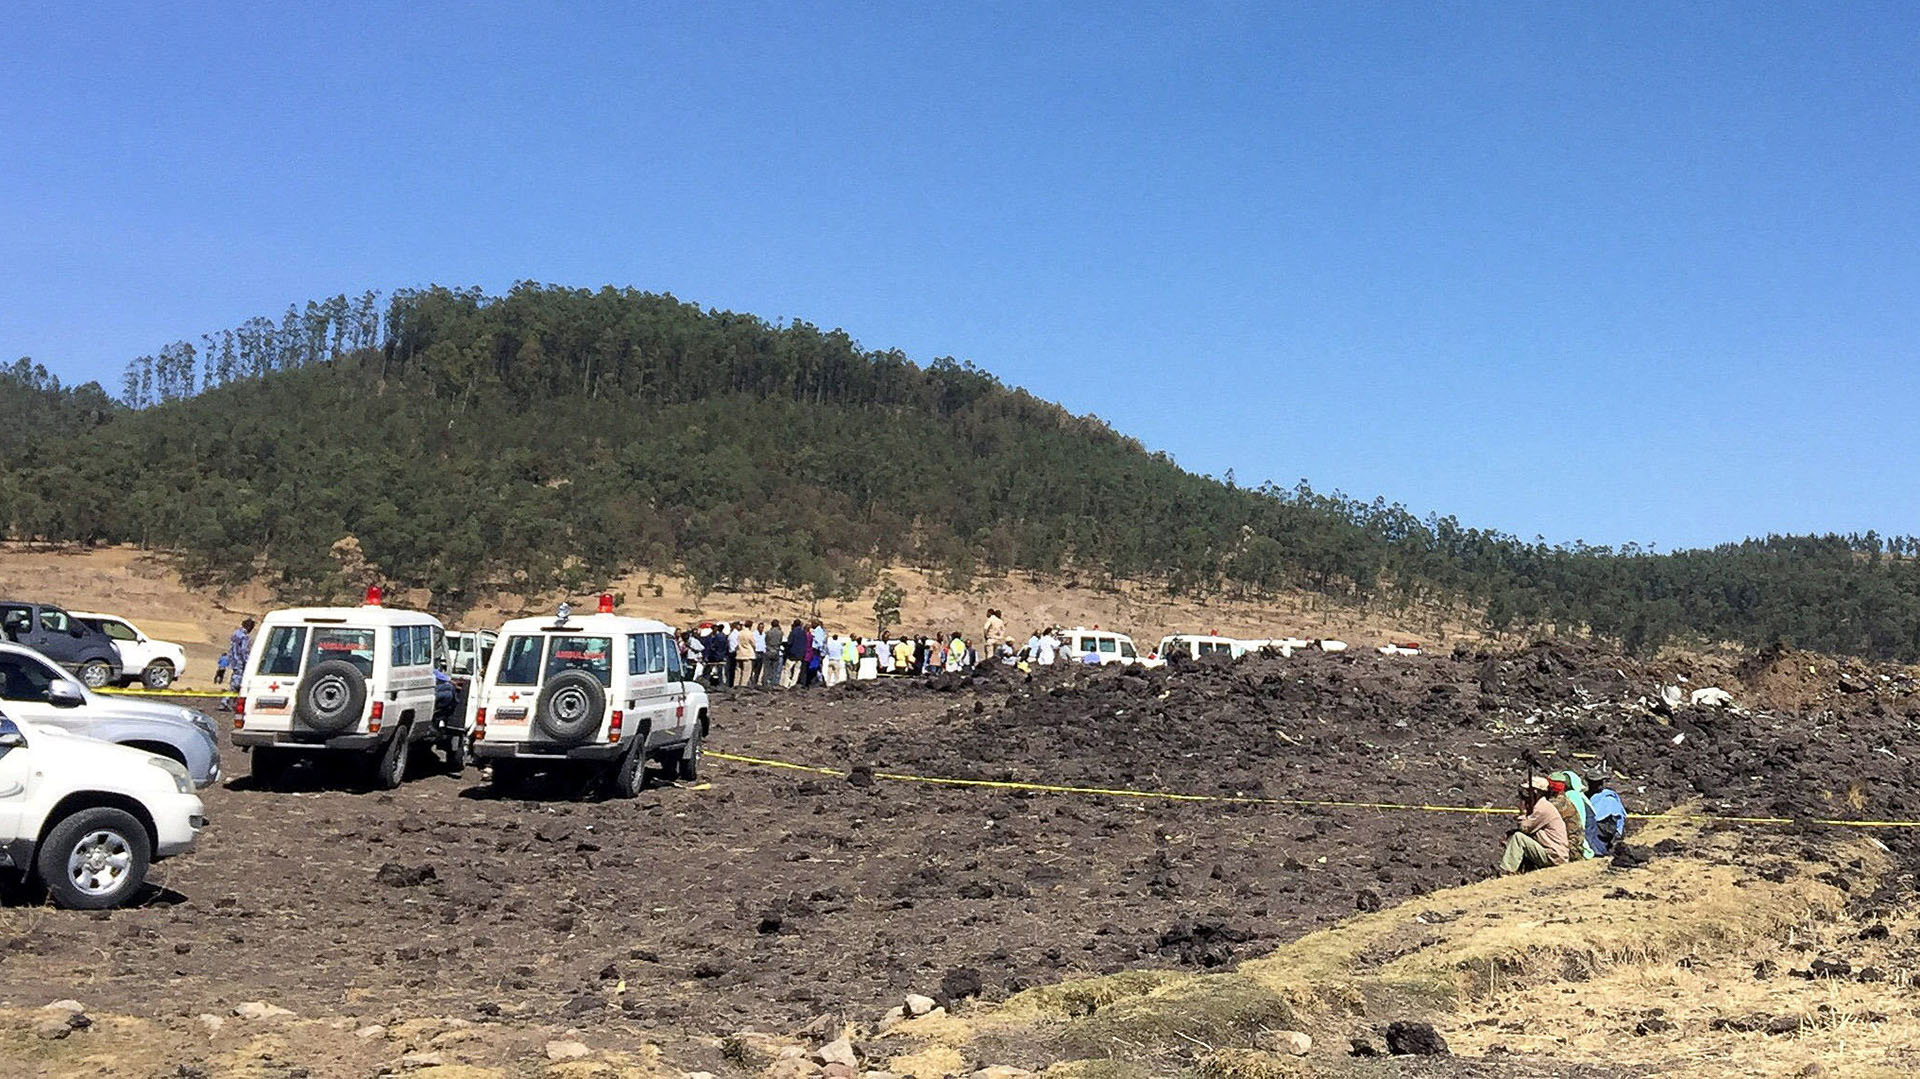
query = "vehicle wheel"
x=158 y=675
x=268 y=765
x=331 y=696
x=95 y=673
x=686 y=767
x=390 y=767
x=455 y=748
x=94 y=859
x=629 y=777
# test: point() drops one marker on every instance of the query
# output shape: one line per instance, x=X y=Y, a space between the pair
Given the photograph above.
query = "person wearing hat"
x=1569 y=797
x=1609 y=813
x=1541 y=838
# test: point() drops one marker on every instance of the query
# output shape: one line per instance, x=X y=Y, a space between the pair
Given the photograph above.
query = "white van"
x=1195 y=645
x=340 y=679
x=600 y=689
x=1079 y=643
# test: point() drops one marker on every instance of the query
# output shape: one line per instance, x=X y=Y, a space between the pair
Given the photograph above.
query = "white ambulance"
x=1195 y=645
x=356 y=680
x=601 y=690
x=1105 y=646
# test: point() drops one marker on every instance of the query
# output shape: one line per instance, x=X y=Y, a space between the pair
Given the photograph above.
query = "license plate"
x=511 y=713
x=272 y=702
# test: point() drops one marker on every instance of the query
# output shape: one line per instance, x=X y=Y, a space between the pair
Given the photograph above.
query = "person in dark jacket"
x=797 y=641
x=715 y=647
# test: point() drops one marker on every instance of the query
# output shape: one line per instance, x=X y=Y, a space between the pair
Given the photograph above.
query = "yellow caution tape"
x=1242 y=799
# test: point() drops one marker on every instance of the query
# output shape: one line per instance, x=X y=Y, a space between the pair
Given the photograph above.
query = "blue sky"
x=1638 y=272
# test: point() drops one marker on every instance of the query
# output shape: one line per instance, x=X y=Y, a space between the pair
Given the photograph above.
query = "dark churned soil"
x=772 y=897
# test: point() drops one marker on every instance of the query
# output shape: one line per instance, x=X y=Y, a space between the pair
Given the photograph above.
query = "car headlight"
x=204 y=722
x=182 y=782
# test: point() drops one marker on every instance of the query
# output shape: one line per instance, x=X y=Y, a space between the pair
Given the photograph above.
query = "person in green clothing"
x=1540 y=840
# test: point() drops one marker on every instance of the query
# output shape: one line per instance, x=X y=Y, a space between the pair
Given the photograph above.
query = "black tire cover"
x=570 y=707
x=331 y=696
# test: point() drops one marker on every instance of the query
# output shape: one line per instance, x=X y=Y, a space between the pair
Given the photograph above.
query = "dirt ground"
x=776 y=899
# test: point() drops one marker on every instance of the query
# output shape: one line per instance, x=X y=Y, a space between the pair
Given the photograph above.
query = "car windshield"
x=591 y=654
x=355 y=646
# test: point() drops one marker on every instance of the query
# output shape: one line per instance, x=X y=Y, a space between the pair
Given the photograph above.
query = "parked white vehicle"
x=602 y=690
x=1079 y=642
x=86 y=818
x=1195 y=645
x=356 y=680
x=152 y=662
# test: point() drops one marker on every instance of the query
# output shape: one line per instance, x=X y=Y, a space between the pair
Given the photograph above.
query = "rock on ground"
x=1414 y=1039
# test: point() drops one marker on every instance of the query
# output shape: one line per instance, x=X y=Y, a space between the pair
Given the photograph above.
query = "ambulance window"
x=281 y=655
x=353 y=646
x=521 y=665
x=1109 y=645
x=591 y=654
x=1126 y=649
x=645 y=655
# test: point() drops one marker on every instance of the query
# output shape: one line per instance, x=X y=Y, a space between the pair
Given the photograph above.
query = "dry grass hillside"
x=145 y=587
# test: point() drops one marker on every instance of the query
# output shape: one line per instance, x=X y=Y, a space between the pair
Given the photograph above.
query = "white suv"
x=603 y=689
x=1108 y=647
x=153 y=663
x=86 y=818
x=344 y=679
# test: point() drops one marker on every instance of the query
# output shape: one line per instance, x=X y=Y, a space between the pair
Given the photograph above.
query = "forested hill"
x=554 y=437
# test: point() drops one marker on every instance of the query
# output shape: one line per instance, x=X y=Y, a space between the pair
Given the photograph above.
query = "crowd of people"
x=803 y=654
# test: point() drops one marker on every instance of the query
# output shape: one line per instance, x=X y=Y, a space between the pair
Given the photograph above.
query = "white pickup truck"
x=86 y=818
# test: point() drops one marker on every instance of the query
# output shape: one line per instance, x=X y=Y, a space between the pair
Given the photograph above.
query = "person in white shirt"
x=834 y=668
x=759 y=630
x=1049 y=648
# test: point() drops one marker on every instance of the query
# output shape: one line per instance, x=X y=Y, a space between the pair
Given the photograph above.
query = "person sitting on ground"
x=1541 y=838
x=1563 y=788
x=1609 y=813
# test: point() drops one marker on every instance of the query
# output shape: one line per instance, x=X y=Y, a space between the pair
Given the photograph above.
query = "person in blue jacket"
x=1609 y=813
